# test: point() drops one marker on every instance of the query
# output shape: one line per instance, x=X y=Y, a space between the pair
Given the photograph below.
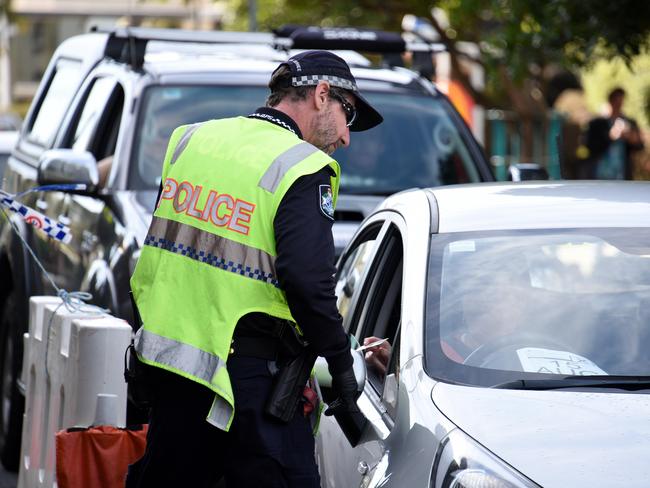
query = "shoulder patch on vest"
x=326 y=201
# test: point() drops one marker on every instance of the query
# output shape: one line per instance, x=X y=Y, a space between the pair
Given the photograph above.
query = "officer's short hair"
x=280 y=85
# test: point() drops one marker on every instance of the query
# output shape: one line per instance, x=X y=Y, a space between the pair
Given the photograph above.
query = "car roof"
x=539 y=205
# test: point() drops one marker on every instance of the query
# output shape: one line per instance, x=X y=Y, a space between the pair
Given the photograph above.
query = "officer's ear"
x=321 y=95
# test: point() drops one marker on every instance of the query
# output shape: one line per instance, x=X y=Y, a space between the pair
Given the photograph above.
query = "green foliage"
x=529 y=34
x=526 y=35
x=518 y=38
x=359 y=13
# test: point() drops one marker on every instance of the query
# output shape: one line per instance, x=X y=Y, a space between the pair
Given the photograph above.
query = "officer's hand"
x=345 y=385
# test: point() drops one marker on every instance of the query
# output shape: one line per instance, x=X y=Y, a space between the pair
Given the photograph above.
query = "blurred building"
x=38 y=26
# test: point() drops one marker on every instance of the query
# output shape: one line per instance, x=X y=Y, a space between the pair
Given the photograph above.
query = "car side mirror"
x=67 y=166
x=527 y=172
x=322 y=374
x=352 y=424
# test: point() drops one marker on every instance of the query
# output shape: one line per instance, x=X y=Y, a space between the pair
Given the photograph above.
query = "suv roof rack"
x=128 y=44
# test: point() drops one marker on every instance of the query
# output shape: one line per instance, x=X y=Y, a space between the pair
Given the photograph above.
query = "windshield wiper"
x=618 y=382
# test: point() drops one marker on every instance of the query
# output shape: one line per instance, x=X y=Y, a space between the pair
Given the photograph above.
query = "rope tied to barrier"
x=75 y=301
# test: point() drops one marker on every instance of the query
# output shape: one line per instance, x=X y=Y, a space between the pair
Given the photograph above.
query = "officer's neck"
x=277 y=117
x=302 y=113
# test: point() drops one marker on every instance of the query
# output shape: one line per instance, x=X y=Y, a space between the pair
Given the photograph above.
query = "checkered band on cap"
x=312 y=80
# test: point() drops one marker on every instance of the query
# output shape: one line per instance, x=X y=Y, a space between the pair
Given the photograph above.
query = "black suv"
x=101 y=118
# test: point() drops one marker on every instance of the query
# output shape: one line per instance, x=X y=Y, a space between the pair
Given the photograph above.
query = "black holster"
x=288 y=385
x=135 y=372
x=295 y=366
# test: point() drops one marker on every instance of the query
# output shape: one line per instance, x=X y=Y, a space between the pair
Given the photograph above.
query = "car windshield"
x=505 y=306
x=419 y=144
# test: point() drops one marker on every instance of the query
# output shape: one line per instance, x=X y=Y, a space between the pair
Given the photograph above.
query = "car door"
x=94 y=128
x=353 y=451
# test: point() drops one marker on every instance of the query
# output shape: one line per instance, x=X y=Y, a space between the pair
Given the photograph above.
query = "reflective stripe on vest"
x=212 y=249
x=190 y=360
x=271 y=179
x=184 y=141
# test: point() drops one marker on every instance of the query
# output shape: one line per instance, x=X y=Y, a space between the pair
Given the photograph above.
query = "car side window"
x=351 y=270
x=96 y=125
x=55 y=101
x=381 y=310
x=97 y=122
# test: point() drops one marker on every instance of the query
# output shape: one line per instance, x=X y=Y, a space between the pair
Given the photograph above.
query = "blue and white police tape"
x=51 y=227
x=57 y=187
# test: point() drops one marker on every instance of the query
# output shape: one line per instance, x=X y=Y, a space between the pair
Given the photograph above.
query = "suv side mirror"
x=67 y=166
x=527 y=172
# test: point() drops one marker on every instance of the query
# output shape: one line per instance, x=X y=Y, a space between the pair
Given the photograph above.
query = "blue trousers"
x=258 y=451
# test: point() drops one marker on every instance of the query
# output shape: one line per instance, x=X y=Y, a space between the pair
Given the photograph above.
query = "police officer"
x=240 y=245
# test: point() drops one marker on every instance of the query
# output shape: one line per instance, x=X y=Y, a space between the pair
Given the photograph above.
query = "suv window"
x=168 y=107
x=97 y=122
x=54 y=103
x=417 y=145
x=87 y=123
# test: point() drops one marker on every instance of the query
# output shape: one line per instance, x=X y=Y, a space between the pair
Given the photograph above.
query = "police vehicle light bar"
x=347 y=38
x=355 y=39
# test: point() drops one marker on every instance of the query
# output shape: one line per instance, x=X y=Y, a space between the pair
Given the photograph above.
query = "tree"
x=523 y=37
x=519 y=40
x=377 y=14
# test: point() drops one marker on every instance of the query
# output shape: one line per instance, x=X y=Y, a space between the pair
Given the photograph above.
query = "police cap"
x=308 y=68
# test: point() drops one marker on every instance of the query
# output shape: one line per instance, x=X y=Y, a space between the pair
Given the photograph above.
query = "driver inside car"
x=377 y=354
x=491 y=309
x=503 y=327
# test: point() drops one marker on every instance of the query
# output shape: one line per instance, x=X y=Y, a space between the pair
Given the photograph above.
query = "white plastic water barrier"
x=73 y=373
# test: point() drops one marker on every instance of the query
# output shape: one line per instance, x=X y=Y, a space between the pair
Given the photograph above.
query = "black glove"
x=345 y=385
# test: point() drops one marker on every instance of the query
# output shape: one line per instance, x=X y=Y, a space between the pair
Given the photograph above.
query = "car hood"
x=557 y=438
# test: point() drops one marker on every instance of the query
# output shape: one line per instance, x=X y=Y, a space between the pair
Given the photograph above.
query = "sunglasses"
x=348 y=108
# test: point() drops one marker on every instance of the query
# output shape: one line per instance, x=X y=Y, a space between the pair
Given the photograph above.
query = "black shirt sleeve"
x=305 y=265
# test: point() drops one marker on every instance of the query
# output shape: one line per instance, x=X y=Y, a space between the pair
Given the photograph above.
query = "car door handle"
x=363 y=468
x=41 y=205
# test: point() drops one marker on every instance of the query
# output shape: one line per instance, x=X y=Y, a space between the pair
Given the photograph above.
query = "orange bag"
x=97 y=457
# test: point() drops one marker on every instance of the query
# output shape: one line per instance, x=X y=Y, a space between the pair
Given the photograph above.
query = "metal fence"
x=548 y=140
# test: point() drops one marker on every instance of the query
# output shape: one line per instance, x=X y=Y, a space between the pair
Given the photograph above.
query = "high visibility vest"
x=209 y=255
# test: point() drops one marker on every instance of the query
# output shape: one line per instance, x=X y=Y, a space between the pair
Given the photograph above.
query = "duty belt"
x=269 y=338
x=267 y=348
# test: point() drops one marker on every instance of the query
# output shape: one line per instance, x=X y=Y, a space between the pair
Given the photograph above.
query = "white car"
x=518 y=318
